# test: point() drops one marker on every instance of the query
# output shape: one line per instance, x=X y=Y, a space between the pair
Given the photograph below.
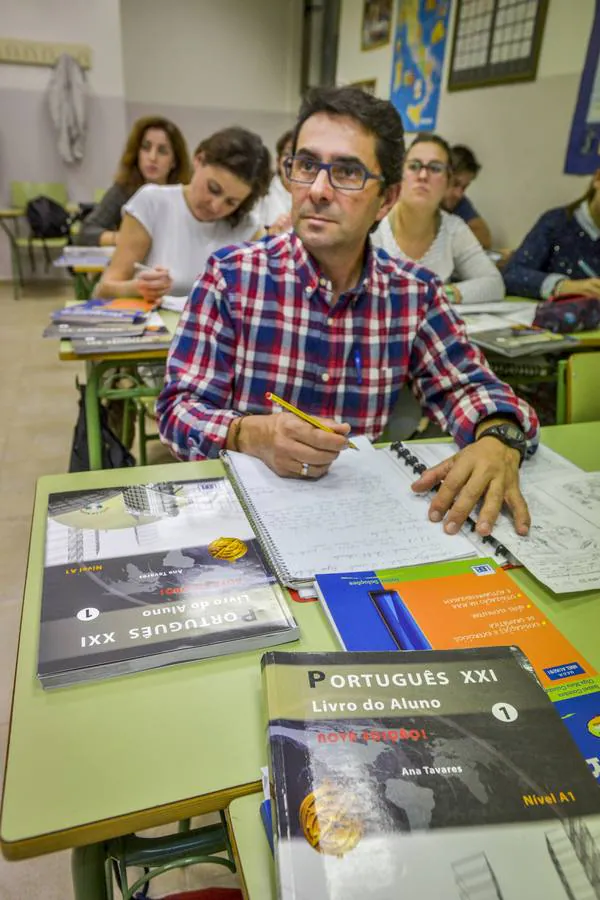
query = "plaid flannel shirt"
x=262 y=318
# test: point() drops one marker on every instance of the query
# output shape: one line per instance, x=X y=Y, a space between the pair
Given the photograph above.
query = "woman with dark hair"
x=561 y=253
x=155 y=153
x=173 y=229
x=418 y=230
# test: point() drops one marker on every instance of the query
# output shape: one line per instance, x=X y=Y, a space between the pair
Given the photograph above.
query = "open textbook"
x=562 y=549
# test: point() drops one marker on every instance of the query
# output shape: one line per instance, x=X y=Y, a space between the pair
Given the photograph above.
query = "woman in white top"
x=173 y=229
x=418 y=230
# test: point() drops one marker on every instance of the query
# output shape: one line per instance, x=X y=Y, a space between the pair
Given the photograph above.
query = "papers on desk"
x=494 y=316
x=175 y=304
x=84 y=256
x=497 y=307
x=562 y=549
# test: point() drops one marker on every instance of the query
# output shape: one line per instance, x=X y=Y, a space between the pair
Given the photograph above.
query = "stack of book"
x=125 y=325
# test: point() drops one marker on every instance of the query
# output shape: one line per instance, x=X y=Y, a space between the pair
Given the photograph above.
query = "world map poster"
x=418 y=58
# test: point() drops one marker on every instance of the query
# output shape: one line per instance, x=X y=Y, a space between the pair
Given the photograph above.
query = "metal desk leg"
x=88 y=871
x=92 y=415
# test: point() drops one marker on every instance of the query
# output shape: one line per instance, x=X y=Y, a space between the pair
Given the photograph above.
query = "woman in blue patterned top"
x=561 y=253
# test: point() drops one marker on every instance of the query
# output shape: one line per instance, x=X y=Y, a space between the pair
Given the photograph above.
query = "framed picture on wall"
x=376 y=23
x=370 y=86
x=496 y=42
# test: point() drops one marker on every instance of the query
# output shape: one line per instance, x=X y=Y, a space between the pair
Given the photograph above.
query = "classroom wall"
x=28 y=150
x=206 y=65
x=519 y=132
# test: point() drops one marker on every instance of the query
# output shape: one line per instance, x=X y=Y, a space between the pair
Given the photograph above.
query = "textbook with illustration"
x=148 y=575
x=465 y=604
x=438 y=775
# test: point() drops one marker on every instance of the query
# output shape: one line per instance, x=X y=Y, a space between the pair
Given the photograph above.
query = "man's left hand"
x=487 y=470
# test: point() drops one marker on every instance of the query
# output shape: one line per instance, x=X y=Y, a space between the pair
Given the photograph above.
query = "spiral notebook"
x=362 y=515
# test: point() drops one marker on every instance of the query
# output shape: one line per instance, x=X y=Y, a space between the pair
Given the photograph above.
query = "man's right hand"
x=152 y=284
x=284 y=442
x=586 y=287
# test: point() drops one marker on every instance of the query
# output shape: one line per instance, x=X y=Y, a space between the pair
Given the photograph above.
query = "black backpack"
x=114 y=454
x=47 y=219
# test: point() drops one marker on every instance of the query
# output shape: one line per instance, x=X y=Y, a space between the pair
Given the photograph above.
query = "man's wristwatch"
x=509 y=434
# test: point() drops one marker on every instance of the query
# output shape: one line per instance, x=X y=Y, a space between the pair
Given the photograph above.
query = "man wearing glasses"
x=336 y=328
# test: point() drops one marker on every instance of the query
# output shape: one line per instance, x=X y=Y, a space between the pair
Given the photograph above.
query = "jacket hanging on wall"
x=67 y=99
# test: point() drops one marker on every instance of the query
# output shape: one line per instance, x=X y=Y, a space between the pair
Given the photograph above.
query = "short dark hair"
x=428 y=137
x=379 y=117
x=464 y=160
x=243 y=153
x=285 y=138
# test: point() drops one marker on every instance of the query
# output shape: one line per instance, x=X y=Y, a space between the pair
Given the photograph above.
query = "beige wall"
x=519 y=132
x=207 y=64
x=28 y=150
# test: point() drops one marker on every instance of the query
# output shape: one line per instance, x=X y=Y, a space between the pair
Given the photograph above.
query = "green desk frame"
x=88 y=764
x=102 y=375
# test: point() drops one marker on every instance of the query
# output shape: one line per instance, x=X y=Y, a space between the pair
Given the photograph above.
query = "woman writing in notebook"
x=418 y=230
x=561 y=253
x=172 y=230
x=155 y=153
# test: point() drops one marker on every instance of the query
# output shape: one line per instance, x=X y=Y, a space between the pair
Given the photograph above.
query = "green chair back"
x=21 y=192
x=582 y=383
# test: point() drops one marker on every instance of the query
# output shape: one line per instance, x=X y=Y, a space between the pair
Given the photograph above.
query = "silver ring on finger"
x=304 y=470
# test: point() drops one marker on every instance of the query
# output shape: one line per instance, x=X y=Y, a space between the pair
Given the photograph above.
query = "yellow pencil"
x=302 y=415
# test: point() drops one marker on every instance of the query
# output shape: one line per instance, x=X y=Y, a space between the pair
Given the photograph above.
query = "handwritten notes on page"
x=562 y=548
x=361 y=515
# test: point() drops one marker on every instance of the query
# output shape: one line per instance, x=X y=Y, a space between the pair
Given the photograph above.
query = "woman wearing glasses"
x=418 y=230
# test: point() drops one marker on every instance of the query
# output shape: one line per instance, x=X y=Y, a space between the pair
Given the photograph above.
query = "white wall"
x=519 y=132
x=206 y=64
x=28 y=150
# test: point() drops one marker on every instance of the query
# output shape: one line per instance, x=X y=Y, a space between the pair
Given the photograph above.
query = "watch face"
x=512 y=432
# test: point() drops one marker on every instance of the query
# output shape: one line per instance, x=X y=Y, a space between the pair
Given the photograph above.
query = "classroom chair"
x=577 y=396
x=156 y=855
x=21 y=192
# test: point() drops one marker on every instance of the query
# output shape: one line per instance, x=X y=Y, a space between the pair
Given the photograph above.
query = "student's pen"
x=587 y=270
x=302 y=415
x=358 y=364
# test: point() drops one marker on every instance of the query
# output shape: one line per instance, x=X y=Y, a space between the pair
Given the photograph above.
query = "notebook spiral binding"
x=417 y=467
x=268 y=547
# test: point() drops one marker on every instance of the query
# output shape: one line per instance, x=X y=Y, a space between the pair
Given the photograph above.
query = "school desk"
x=95 y=761
x=104 y=382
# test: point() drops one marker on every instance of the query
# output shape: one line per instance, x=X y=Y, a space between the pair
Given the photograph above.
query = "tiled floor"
x=38 y=407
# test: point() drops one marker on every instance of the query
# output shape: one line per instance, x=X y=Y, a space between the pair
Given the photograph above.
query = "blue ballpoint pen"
x=358 y=364
x=587 y=270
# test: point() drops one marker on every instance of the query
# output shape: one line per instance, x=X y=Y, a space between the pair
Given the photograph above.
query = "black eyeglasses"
x=435 y=167
x=345 y=176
